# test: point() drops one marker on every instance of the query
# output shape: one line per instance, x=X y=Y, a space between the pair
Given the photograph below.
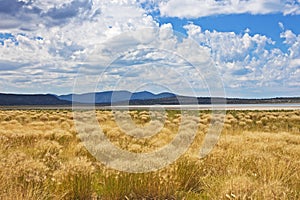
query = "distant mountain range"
x=30 y=100
x=114 y=97
x=124 y=97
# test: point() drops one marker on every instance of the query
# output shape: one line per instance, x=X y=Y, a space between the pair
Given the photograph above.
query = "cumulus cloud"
x=33 y=15
x=201 y=8
x=55 y=37
x=46 y=43
x=13 y=13
x=71 y=37
x=293 y=41
x=151 y=56
x=251 y=61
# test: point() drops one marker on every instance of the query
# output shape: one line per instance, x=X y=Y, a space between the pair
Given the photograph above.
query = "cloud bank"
x=44 y=44
x=202 y=8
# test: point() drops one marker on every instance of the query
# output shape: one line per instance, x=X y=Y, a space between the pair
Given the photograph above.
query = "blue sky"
x=196 y=47
x=239 y=23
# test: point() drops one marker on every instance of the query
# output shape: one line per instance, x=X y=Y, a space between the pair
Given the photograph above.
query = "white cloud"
x=54 y=50
x=293 y=67
x=295 y=63
x=56 y=46
x=46 y=56
x=154 y=57
x=201 y=8
x=247 y=61
x=280 y=24
x=293 y=41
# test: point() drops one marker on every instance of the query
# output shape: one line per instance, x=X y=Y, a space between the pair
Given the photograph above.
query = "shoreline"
x=259 y=107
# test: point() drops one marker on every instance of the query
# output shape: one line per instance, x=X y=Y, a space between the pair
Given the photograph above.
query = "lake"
x=285 y=106
x=214 y=107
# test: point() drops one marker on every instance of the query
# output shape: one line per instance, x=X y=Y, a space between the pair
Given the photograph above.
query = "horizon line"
x=226 y=97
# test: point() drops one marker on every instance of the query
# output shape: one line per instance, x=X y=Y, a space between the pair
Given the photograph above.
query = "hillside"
x=30 y=99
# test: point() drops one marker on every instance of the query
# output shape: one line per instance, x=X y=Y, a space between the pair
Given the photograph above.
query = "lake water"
x=215 y=107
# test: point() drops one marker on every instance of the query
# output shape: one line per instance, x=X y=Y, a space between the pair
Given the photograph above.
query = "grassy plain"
x=257 y=157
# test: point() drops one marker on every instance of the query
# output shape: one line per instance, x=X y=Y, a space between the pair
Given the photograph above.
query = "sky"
x=232 y=48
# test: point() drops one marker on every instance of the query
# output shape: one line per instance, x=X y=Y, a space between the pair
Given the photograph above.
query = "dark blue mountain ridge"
x=124 y=97
x=108 y=97
x=30 y=99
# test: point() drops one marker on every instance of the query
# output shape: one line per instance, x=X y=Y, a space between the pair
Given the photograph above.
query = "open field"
x=256 y=157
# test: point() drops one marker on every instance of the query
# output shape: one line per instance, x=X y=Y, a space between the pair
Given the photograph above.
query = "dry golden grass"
x=257 y=157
